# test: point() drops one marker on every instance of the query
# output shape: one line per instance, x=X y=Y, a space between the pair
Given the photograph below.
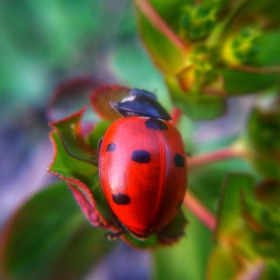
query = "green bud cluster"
x=204 y=70
x=197 y=22
x=243 y=48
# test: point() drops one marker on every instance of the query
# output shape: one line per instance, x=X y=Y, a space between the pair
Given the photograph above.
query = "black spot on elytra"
x=179 y=205
x=141 y=156
x=157 y=124
x=179 y=160
x=111 y=147
x=121 y=199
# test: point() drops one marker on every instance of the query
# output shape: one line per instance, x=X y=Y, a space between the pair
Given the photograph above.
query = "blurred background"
x=42 y=45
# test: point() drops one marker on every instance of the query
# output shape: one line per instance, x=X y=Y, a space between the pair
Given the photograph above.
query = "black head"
x=141 y=103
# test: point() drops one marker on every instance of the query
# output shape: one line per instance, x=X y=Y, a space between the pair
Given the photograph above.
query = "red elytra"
x=143 y=173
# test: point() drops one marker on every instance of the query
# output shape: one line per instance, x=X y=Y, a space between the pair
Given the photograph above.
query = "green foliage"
x=202 y=47
x=187 y=259
x=263 y=136
x=197 y=22
x=247 y=235
x=166 y=54
x=45 y=238
x=238 y=82
x=94 y=137
x=199 y=106
x=243 y=48
x=69 y=130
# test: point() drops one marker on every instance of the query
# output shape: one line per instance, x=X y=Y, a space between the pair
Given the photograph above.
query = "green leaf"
x=198 y=180
x=271 y=270
x=225 y=263
x=230 y=207
x=97 y=133
x=242 y=82
x=70 y=132
x=168 y=54
x=222 y=263
x=101 y=98
x=68 y=166
x=270 y=40
x=265 y=10
x=187 y=259
x=196 y=106
x=150 y=242
x=101 y=205
x=263 y=223
x=247 y=233
x=87 y=200
x=82 y=178
x=263 y=134
x=48 y=238
x=268 y=192
x=169 y=10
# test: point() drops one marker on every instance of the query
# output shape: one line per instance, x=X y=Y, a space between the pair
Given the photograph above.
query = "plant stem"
x=198 y=209
x=175 y=115
x=234 y=151
x=148 y=10
x=190 y=201
x=264 y=70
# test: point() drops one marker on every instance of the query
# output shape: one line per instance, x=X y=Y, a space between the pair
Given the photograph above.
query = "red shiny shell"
x=143 y=172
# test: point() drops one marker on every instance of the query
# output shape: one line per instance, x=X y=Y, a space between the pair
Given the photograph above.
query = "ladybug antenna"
x=114 y=105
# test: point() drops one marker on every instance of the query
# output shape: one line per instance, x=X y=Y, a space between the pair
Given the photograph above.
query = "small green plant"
x=206 y=51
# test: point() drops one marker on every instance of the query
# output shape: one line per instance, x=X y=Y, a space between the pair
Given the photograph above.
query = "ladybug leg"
x=114 y=105
x=118 y=225
x=166 y=238
x=174 y=230
x=188 y=154
x=114 y=235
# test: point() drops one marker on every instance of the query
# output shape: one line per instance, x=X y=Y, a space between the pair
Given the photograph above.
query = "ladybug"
x=142 y=165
